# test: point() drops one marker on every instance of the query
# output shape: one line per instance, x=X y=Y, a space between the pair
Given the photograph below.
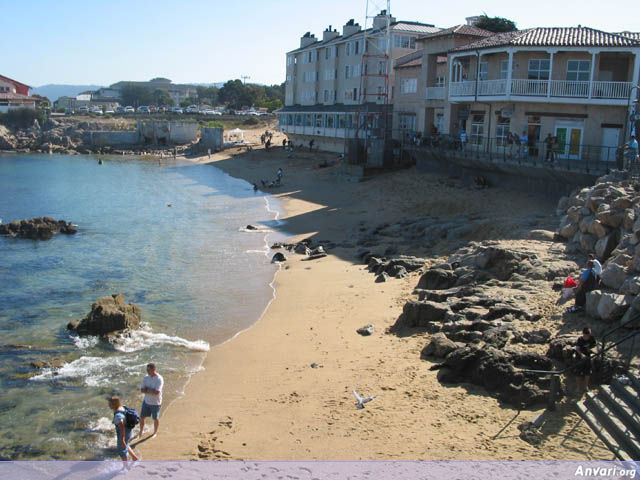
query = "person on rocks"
x=123 y=434
x=597 y=267
x=151 y=386
x=583 y=350
x=630 y=150
x=586 y=283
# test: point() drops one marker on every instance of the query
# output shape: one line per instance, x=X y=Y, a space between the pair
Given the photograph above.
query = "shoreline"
x=282 y=389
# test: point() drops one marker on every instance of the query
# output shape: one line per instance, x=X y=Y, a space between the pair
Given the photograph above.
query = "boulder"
x=410 y=264
x=437 y=279
x=598 y=229
x=585 y=223
x=382 y=277
x=628 y=217
x=587 y=242
x=422 y=314
x=439 y=346
x=621 y=203
x=592 y=301
x=39 y=228
x=108 y=315
x=251 y=227
x=278 y=257
x=605 y=245
x=568 y=230
x=613 y=275
x=302 y=249
x=317 y=252
x=612 y=306
x=7 y=140
x=631 y=286
x=609 y=218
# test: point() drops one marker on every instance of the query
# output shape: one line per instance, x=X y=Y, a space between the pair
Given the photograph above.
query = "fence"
x=594 y=159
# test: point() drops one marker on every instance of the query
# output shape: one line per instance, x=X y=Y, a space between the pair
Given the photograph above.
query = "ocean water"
x=170 y=237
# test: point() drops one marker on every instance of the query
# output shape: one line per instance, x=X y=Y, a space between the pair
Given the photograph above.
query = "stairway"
x=613 y=413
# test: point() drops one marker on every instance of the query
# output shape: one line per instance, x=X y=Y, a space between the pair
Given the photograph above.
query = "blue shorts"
x=150 y=411
x=122 y=449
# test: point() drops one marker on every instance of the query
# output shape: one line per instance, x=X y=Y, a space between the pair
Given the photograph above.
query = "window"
x=578 y=70
x=331 y=120
x=356 y=47
x=307 y=120
x=330 y=74
x=355 y=94
x=538 y=69
x=356 y=70
x=319 y=122
x=502 y=131
x=483 y=70
x=290 y=60
x=341 y=122
x=347 y=68
x=504 y=69
x=404 y=41
x=347 y=49
x=408 y=85
x=407 y=121
x=326 y=96
x=439 y=81
x=382 y=67
x=309 y=77
x=477 y=129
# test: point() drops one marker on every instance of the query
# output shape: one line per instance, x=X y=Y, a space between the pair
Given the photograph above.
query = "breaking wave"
x=145 y=338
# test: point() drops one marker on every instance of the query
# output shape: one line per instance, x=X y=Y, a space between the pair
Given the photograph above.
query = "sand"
x=260 y=398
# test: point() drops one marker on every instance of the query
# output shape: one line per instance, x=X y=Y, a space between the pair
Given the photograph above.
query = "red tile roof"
x=553 y=37
x=459 y=30
x=413 y=63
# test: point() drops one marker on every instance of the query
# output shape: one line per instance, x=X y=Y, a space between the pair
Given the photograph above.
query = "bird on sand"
x=360 y=401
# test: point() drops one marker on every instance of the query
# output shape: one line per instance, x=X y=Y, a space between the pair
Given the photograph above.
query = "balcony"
x=618 y=92
x=435 y=93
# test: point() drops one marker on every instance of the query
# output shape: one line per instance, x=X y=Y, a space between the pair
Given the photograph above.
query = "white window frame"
x=408 y=85
x=537 y=73
x=404 y=41
x=579 y=71
x=483 y=74
x=504 y=69
x=477 y=129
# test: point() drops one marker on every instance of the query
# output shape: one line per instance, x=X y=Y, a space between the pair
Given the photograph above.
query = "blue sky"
x=102 y=42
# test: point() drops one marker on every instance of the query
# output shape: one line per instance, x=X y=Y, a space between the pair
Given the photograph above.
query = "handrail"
x=622 y=325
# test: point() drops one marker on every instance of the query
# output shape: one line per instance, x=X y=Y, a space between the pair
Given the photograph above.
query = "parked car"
x=210 y=112
x=96 y=110
x=153 y=108
x=83 y=110
x=109 y=111
x=192 y=109
x=129 y=109
x=120 y=110
x=69 y=111
x=143 y=109
x=177 y=110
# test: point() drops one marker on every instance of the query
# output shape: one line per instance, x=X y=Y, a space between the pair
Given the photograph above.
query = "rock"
x=631 y=286
x=609 y=218
x=366 y=330
x=278 y=257
x=410 y=264
x=538 y=337
x=302 y=249
x=108 y=315
x=628 y=217
x=563 y=204
x=383 y=277
x=54 y=363
x=529 y=433
x=251 y=227
x=544 y=235
x=437 y=279
x=396 y=271
x=621 y=203
x=317 y=252
x=605 y=245
x=612 y=306
x=39 y=228
x=613 y=275
x=585 y=223
x=568 y=229
x=440 y=346
x=592 y=301
x=560 y=348
x=587 y=242
x=7 y=140
x=598 y=229
x=422 y=314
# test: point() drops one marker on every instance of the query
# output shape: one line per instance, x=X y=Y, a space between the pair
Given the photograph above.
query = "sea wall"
x=146 y=133
x=103 y=139
x=537 y=180
x=211 y=137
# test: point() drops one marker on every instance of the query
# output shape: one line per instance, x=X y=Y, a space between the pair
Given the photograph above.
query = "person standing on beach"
x=151 y=386
x=123 y=434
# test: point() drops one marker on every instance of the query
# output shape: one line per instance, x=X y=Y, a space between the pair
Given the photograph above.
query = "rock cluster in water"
x=39 y=228
x=109 y=315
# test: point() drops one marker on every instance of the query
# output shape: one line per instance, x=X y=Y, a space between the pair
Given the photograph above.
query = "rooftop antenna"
x=245 y=78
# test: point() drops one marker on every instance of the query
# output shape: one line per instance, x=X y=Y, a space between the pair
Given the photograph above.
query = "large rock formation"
x=39 y=228
x=108 y=315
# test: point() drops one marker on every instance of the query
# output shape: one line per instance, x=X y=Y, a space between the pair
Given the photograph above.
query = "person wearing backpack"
x=152 y=388
x=124 y=428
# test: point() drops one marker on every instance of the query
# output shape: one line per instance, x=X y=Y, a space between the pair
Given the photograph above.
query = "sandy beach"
x=282 y=390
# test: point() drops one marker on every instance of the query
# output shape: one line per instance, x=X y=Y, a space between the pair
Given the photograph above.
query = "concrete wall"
x=539 y=180
x=167 y=133
x=103 y=139
x=327 y=144
x=211 y=138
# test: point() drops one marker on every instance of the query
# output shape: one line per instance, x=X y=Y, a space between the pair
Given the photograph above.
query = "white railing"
x=462 y=89
x=569 y=88
x=492 y=87
x=521 y=86
x=619 y=90
x=435 y=93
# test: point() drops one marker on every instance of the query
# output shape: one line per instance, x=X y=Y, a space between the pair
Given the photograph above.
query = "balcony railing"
x=543 y=88
x=435 y=93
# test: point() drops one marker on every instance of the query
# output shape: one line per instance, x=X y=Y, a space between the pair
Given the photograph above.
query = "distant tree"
x=161 y=97
x=237 y=95
x=186 y=102
x=495 y=24
x=41 y=102
x=136 y=95
x=208 y=95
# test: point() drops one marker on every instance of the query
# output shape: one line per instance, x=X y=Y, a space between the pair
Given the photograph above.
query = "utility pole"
x=245 y=78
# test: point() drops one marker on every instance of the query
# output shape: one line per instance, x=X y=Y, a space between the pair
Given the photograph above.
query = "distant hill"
x=53 y=92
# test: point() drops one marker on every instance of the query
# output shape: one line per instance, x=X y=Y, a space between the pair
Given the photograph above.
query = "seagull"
x=361 y=401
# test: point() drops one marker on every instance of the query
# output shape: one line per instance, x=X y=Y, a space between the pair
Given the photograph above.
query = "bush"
x=251 y=121
x=213 y=124
x=22 y=117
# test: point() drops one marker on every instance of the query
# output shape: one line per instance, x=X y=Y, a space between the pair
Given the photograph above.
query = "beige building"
x=333 y=80
x=574 y=84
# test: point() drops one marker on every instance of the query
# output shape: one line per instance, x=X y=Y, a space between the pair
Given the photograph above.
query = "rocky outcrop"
x=7 y=140
x=439 y=346
x=39 y=228
x=109 y=315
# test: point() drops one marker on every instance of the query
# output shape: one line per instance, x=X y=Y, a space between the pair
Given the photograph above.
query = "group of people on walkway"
x=125 y=419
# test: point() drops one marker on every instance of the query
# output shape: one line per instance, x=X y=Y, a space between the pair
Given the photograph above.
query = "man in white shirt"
x=597 y=266
x=152 y=388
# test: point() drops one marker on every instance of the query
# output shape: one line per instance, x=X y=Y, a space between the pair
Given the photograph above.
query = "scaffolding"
x=374 y=114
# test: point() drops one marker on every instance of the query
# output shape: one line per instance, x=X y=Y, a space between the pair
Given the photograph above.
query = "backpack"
x=131 y=417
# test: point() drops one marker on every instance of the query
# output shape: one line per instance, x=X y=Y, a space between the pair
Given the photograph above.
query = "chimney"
x=350 y=28
x=380 y=20
x=472 y=20
x=329 y=34
x=307 y=39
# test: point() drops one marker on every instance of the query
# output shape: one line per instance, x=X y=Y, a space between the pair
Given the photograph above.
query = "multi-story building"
x=14 y=94
x=573 y=85
x=328 y=83
x=178 y=92
x=419 y=102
